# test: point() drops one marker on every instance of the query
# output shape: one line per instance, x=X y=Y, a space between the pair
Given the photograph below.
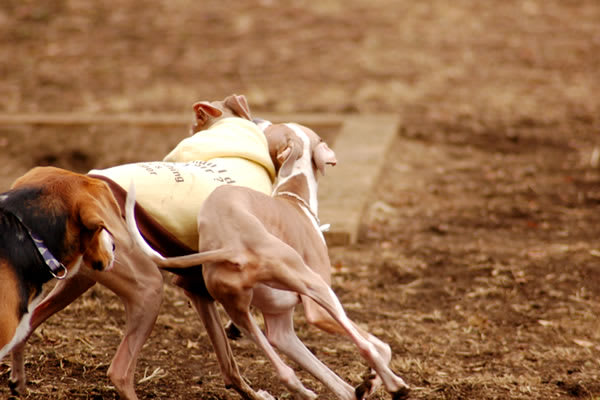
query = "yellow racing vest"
x=233 y=151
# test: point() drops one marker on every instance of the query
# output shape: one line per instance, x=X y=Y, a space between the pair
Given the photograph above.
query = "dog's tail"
x=187 y=261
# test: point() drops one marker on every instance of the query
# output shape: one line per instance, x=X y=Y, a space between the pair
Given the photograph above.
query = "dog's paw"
x=232 y=331
x=16 y=388
x=401 y=394
x=368 y=386
x=363 y=390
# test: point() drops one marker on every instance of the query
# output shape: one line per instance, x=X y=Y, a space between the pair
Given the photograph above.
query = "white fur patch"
x=23 y=327
x=132 y=226
x=108 y=244
x=263 y=124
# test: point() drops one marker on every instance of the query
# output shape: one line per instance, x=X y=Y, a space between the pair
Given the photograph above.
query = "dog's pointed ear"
x=239 y=106
x=323 y=156
x=204 y=112
x=204 y=107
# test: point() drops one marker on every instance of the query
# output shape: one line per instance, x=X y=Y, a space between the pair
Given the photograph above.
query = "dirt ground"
x=480 y=257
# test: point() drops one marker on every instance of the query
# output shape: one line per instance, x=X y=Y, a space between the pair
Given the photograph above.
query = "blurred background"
x=503 y=59
x=480 y=261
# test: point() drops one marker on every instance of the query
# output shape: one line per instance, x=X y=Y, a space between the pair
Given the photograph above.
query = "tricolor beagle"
x=51 y=221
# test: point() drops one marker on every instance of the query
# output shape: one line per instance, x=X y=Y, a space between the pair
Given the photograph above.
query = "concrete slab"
x=360 y=143
x=360 y=148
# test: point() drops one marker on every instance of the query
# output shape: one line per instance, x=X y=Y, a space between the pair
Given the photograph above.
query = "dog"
x=267 y=252
x=52 y=222
x=135 y=279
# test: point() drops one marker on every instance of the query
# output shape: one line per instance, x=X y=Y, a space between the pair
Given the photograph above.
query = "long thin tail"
x=133 y=229
x=191 y=260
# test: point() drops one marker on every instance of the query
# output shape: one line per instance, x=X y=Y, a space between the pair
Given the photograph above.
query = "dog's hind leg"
x=285 y=269
x=231 y=375
x=63 y=294
x=280 y=332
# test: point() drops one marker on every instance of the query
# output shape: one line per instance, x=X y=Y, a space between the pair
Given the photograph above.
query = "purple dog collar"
x=57 y=269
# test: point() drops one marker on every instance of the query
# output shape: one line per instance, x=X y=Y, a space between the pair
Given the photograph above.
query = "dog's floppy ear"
x=98 y=209
x=94 y=217
x=100 y=215
x=204 y=112
x=90 y=218
x=323 y=156
x=239 y=106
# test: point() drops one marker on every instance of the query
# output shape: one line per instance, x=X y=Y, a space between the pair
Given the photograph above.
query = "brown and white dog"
x=135 y=279
x=269 y=252
x=51 y=222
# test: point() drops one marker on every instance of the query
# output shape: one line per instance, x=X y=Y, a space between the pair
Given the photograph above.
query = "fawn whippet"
x=269 y=252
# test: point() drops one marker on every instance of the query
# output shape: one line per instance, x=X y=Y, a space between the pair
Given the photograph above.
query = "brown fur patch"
x=9 y=303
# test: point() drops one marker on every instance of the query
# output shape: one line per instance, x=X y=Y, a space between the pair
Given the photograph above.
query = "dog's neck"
x=301 y=188
x=302 y=181
x=297 y=186
x=299 y=193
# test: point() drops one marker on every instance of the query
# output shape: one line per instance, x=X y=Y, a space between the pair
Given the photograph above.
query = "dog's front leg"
x=63 y=294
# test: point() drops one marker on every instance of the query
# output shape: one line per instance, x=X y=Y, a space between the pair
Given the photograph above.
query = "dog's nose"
x=98 y=265
x=101 y=266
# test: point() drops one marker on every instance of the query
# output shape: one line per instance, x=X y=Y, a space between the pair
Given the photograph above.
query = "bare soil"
x=480 y=256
